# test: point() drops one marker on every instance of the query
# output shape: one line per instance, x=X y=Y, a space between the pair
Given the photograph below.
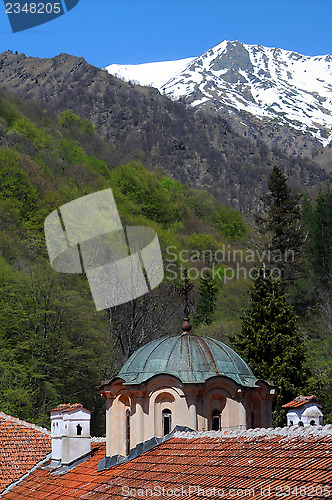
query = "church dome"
x=190 y=358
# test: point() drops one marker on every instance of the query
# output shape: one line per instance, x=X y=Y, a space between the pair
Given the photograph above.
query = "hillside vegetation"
x=54 y=346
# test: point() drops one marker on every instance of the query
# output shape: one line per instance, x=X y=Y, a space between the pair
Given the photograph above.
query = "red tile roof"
x=69 y=407
x=302 y=400
x=22 y=446
x=292 y=462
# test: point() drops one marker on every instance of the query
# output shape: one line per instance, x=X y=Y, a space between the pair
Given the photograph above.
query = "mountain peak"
x=233 y=57
x=252 y=83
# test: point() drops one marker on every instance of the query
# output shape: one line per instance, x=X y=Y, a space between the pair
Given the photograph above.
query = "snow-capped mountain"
x=150 y=74
x=252 y=86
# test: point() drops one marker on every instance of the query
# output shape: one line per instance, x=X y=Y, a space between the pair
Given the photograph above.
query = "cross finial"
x=186 y=327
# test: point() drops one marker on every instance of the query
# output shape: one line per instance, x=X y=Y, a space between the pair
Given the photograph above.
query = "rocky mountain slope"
x=141 y=124
x=283 y=97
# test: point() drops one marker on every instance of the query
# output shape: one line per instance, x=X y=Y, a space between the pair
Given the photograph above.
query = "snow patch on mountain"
x=269 y=83
x=154 y=74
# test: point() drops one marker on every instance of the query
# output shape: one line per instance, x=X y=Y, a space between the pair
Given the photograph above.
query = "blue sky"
x=135 y=31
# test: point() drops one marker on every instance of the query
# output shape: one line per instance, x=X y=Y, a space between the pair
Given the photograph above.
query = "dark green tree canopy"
x=318 y=222
x=271 y=342
x=282 y=224
x=207 y=305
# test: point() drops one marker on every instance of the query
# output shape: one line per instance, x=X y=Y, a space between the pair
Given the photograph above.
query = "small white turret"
x=70 y=432
x=304 y=411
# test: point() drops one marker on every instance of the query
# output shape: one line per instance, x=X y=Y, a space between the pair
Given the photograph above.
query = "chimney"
x=70 y=432
x=304 y=411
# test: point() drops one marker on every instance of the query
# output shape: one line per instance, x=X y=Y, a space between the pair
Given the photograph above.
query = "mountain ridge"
x=260 y=88
x=141 y=124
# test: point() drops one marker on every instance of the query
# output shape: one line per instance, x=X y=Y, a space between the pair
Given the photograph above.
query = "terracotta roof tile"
x=69 y=407
x=22 y=446
x=280 y=461
x=302 y=400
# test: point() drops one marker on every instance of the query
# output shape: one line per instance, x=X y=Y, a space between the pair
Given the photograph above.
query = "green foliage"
x=26 y=127
x=171 y=185
x=316 y=277
x=8 y=112
x=14 y=183
x=68 y=120
x=203 y=243
x=230 y=223
x=208 y=290
x=50 y=341
x=318 y=221
x=283 y=224
x=146 y=192
x=203 y=204
x=53 y=344
x=271 y=342
x=98 y=166
x=37 y=136
x=71 y=152
x=320 y=382
x=283 y=212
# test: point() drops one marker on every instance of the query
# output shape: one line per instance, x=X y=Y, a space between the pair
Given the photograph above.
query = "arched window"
x=312 y=422
x=300 y=424
x=216 y=417
x=127 y=432
x=167 y=421
x=79 y=430
x=291 y=423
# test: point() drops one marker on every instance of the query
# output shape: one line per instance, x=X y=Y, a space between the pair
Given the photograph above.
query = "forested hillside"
x=54 y=346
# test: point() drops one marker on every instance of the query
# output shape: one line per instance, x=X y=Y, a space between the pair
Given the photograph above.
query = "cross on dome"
x=186 y=327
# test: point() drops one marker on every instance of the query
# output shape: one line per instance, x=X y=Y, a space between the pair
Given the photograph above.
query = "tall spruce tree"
x=283 y=226
x=318 y=221
x=206 y=307
x=271 y=343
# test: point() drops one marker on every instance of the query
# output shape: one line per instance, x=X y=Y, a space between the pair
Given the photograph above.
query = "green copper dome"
x=190 y=358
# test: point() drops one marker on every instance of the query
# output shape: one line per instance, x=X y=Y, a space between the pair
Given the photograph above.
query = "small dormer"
x=304 y=411
x=70 y=428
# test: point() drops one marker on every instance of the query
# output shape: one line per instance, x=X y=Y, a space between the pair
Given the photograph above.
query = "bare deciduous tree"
x=158 y=313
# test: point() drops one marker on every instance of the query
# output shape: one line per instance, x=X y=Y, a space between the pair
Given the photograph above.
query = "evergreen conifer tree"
x=207 y=302
x=318 y=220
x=283 y=226
x=271 y=343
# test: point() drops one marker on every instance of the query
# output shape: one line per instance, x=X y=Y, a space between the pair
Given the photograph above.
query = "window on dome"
x=167 y=421
x=127 y=432
x=216 y=420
